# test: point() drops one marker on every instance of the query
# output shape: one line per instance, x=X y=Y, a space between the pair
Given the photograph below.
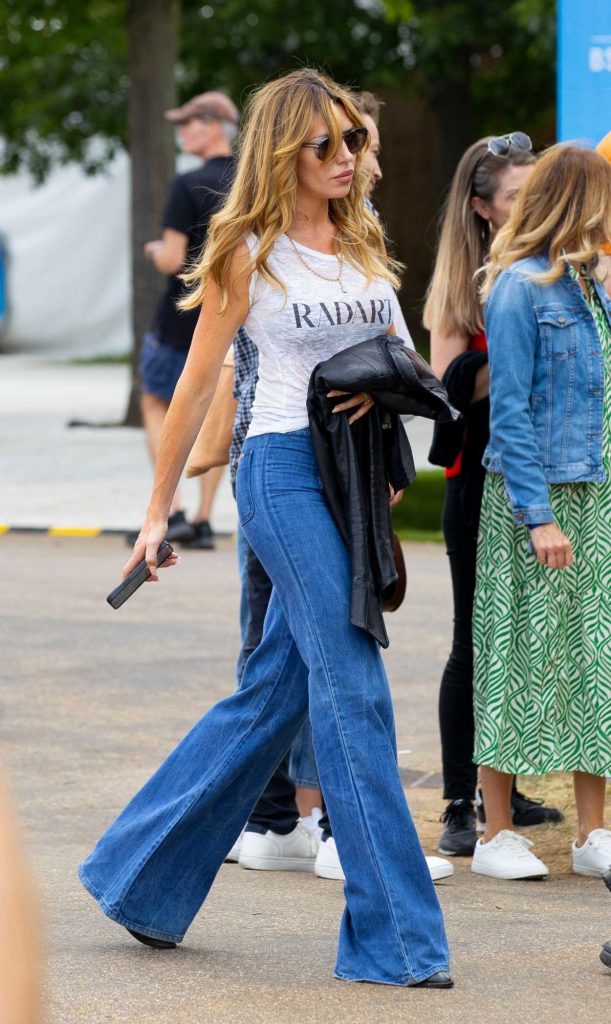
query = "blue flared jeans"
x=153 y=868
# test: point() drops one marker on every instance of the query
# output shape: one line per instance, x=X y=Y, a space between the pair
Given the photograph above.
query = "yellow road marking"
x=74 y=531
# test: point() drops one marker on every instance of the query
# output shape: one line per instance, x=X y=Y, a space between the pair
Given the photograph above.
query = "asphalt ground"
x=91 y=701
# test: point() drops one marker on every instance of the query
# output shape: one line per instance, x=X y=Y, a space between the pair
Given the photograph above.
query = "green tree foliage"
x=63 y=82
x=499 y=58
x=235 y=44
x=63 y=63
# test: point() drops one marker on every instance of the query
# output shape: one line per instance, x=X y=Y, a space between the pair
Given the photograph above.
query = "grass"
x=418 y=516
x=111 y=360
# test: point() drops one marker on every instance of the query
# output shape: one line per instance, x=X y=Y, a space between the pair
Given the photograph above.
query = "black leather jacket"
x=358 y=462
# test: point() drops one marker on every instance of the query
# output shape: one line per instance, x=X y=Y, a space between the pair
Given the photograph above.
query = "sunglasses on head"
x=501 y=145
x=355 y=139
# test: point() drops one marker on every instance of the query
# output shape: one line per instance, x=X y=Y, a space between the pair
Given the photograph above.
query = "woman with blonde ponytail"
x=542 y=618
x=295 y=257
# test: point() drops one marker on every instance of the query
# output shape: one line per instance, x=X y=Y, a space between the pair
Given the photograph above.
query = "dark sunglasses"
x=355 y=139
x=501 y=145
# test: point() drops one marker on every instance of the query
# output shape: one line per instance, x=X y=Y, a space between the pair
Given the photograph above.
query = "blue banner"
x=584 y=70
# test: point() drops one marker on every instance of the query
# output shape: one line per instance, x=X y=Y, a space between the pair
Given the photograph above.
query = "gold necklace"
x=332 y=280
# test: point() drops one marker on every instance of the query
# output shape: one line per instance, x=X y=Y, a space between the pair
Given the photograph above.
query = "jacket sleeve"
x=513 y=337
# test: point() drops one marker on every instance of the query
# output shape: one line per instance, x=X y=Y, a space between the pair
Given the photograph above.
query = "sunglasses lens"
x=499 y=146
x=322 y=149
x=520 y=140
x=356 y=139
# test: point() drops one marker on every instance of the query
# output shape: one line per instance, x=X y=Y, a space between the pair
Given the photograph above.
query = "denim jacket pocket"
x=559 y=332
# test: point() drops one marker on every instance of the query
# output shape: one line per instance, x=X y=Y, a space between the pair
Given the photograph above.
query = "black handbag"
x=395 y=599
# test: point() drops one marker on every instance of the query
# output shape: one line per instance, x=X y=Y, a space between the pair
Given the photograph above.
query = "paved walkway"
x=92 y=699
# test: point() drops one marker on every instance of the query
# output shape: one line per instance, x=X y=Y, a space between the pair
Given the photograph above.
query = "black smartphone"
x=137 y=577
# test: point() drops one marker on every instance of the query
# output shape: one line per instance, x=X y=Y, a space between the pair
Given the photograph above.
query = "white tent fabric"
x=68 y=277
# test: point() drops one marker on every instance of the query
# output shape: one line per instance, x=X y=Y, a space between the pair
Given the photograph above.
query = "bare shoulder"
x=241 y=261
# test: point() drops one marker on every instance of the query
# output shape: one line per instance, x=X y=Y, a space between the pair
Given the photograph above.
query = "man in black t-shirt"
x=207 y=127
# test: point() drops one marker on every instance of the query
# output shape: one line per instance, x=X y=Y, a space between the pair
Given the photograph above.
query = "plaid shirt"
x=245 y=375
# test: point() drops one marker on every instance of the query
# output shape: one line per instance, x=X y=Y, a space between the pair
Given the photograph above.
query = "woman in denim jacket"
x=542 y=617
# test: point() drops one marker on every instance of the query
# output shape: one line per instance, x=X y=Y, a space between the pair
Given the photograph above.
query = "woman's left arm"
x=513 y=337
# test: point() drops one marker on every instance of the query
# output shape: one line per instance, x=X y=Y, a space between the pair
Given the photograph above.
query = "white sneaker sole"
x=277 y=863
x=439 y=871
x=499 y=873
x=589 y=872
x=326 y=871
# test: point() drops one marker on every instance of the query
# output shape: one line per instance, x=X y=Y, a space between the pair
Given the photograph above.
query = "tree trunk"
x=457 y=122
x=152 y=44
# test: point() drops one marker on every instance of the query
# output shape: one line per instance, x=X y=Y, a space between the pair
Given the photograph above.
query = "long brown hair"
x=564 y=211
x=263 y=197
x=452 y=301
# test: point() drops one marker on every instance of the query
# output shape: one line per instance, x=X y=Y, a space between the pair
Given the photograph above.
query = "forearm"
x=183 y=421
x=195 y=390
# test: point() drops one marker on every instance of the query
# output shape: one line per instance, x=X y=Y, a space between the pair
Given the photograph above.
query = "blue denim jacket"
x=546 y=387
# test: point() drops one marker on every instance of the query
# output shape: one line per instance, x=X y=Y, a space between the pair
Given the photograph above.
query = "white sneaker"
x=439 y=868
x=507 y=856
x=594 y=857
x=234 y=854
x=311 y=822
x=327 y=861
x=272 y=852
x=328 y=864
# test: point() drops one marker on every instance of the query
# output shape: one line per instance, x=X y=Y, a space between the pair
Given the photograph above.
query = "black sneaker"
x=605 y=954
x=459 y=837
x=178 y=529
x=202 y=537
x=607 y=879
x=525 y=812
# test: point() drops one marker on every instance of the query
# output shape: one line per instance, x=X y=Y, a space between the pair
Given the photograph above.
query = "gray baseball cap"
x=209 y=106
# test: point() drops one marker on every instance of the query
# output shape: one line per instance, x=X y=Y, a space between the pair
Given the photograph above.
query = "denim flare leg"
x=153 y=868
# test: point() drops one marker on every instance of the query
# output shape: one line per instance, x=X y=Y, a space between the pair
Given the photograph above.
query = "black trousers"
x=277 y=809
x=456 y=693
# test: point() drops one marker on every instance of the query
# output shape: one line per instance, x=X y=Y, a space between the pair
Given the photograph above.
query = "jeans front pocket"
x=244 y=488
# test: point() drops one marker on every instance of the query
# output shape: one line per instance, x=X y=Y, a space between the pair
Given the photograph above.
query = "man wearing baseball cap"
x=207 y=126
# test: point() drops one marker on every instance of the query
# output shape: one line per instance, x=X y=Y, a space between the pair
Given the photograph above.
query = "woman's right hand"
x=551 y=547
x=147 y=545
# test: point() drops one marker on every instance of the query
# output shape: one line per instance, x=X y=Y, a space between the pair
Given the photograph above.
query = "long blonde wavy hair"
x=262 y=200
x=452 y=301
x=563 y=211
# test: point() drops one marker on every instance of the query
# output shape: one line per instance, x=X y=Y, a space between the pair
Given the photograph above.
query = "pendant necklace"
x=334 y=280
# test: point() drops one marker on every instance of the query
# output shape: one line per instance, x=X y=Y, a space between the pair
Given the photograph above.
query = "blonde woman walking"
x=542 y=618
x=292 y=252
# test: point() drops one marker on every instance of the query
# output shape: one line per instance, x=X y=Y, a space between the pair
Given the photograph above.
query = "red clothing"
x=477 y=343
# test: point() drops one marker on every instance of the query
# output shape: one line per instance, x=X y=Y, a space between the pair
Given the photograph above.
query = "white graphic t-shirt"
x=311 y=322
